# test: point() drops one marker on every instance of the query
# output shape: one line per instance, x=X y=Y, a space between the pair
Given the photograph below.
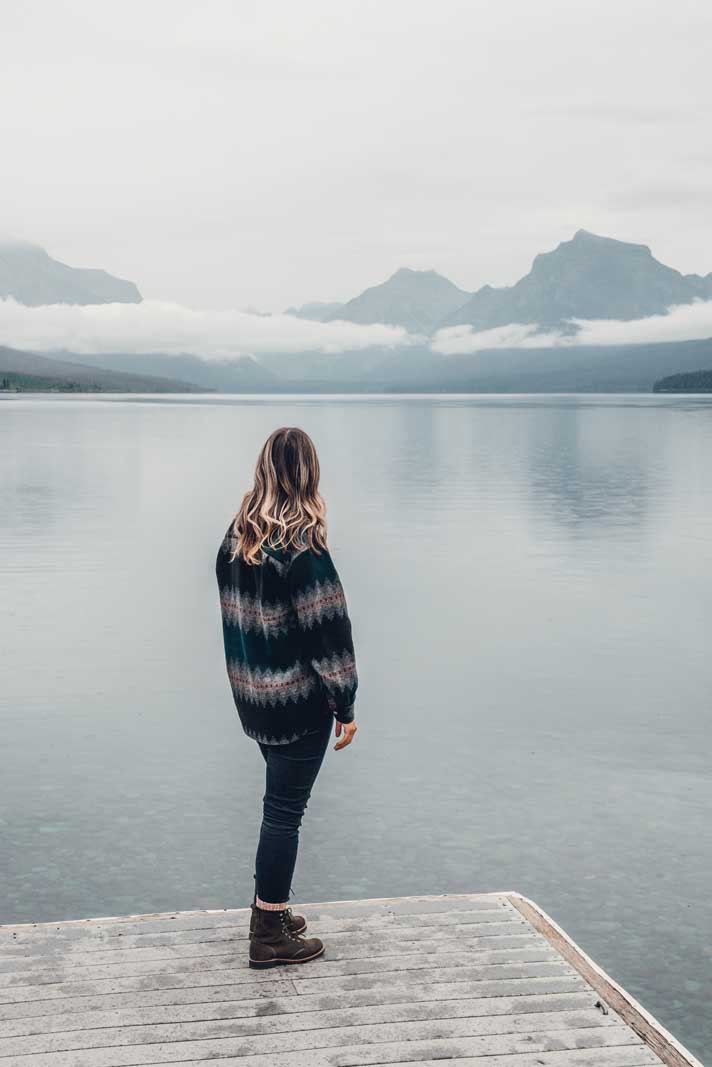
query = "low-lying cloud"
x=158 y=327
x=172 y=329
x=682 y=322
x=463 y=340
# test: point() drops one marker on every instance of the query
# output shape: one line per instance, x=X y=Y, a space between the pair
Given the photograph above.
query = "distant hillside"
x=588 y=277
x=416 y=368
x=244 y=375
x=691 y=381
x=578 y=369
x=31 y=276
x=34 y=383
x=414 y=299
x=27 y=370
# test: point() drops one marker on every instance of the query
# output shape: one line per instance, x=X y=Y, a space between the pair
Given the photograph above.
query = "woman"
x=290 y=661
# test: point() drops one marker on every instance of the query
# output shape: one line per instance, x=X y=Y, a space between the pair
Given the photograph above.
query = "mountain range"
x=30 y=275
x=587 y=277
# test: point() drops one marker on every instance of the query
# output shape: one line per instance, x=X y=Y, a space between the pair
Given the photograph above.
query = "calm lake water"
x=530 y=585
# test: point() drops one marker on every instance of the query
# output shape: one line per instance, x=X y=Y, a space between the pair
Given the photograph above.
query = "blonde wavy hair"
x=284 y=508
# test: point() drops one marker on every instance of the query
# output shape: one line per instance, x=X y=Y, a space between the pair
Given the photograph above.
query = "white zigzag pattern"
x=323 y=600
x=268 y=686
x=250 y=613
x=337 y=671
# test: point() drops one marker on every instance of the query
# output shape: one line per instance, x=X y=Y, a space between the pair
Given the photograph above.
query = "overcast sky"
x=260 y=154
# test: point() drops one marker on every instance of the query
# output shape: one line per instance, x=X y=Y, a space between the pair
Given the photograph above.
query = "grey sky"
x=235 y=154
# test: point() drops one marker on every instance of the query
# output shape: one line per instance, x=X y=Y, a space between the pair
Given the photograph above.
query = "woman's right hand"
x=349 y=731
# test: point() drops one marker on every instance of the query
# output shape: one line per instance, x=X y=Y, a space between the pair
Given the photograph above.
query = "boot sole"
x=263 y=965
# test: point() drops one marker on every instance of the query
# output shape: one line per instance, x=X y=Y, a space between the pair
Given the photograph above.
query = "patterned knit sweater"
x=288 y=646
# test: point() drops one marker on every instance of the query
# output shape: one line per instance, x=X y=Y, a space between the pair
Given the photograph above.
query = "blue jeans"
x=291 y=771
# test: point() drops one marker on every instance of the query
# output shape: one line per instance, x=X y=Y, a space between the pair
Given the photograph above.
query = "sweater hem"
x=266 y=739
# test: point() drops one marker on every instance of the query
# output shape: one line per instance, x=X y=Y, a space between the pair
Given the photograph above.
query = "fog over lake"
x=530 y=585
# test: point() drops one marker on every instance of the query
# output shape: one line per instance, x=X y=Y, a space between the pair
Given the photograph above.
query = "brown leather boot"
x=297 y=923
x=272 y=943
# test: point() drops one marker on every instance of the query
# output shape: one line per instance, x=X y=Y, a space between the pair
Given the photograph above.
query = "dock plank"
x=319 y=1029
x=349 y=974
x=302 y=1012
x=361 y=1044
x=420 y=980
x=19 y=955
x=285 y=991
x=395 y=953
x=618 y=1056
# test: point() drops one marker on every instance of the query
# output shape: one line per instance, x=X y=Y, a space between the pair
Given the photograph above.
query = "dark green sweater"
x=288 y=646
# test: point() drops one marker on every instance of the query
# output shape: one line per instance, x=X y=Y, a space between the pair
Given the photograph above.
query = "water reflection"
x=530 y=581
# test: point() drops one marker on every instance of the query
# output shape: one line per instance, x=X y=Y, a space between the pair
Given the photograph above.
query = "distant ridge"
x=243 y=375
x=588 y=277
x=29 y=275
x=414 y=299
x=691 y=381
x=28 y=370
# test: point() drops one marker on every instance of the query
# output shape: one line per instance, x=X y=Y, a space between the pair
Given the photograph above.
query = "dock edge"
x=655 y=1036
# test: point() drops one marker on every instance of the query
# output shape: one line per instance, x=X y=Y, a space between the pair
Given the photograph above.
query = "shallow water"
x=530 y=584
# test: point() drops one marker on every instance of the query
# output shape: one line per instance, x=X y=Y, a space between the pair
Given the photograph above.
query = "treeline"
x=31 y=383
x=691 y=381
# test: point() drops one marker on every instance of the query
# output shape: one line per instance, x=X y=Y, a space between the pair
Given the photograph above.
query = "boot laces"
x=286 y=918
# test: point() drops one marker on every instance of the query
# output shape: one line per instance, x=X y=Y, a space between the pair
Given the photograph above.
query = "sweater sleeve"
x=325 y=628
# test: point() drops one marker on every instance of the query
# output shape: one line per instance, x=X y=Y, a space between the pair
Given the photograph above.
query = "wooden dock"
x=482 y=979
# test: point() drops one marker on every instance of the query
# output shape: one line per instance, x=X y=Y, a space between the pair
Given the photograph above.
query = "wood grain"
x=460 y=980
